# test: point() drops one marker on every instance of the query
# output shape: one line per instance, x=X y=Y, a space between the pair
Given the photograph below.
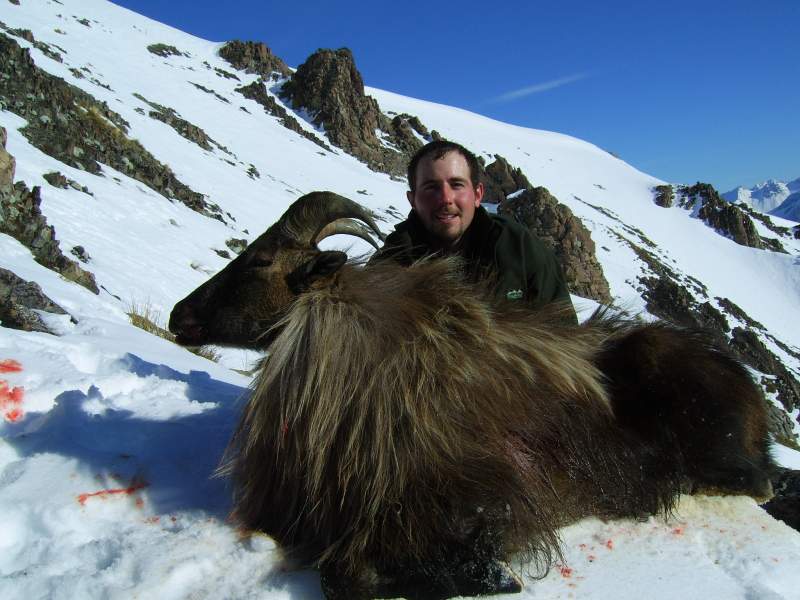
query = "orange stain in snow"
x=11 y=402
x=103 y=494
x=10 y=366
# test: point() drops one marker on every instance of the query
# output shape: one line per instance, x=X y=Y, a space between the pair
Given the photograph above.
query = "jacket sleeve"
x=546 y=281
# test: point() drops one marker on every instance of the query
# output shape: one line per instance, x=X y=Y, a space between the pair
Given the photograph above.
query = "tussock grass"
x=147 y=318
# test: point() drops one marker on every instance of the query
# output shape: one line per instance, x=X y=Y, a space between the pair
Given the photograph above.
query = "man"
x=447 y=218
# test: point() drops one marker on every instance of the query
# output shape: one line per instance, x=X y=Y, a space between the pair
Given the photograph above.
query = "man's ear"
x=410 y=196
x=320 y=265
x=478 y=195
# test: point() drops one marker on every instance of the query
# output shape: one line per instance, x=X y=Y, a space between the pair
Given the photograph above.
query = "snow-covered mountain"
x=173 y=157
x=768 y=197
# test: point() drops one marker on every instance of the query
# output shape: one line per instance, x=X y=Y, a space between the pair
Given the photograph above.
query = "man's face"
x=444 y=197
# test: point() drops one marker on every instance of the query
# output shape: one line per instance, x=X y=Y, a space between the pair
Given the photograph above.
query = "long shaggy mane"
x=400 y=414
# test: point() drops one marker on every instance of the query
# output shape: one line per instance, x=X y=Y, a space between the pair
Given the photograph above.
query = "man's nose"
x=447 y=194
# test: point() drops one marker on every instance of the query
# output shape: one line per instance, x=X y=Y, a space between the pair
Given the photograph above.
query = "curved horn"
x=347 y=227
x=309 y=214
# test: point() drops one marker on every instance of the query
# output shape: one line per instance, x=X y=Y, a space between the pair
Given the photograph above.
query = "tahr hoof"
x=486 y=578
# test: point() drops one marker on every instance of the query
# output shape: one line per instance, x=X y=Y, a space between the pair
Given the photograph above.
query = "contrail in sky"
x=537 y=88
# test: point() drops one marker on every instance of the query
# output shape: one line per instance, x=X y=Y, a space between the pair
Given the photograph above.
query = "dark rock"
x=727 y=219
x=185 y=129
x=222 y=253
x=14 y=2
x=501 y=179
x=555 y=224
x=27 y=35
x=56 y=179
x=330 y=88
x=796 y=232
x=253 y=57
x=165 y=50
x=80 y=253
x=22 y=219
x=225 y=74
x=236 y=245
x=7 y=162
x=71 y=126
x=253 y=173
x=18 y=300
x=257 y=91
x=664 y=195
x=208 y=91
x=785 y=506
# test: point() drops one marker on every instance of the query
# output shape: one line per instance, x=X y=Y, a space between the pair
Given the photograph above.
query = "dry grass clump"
x=144 y=316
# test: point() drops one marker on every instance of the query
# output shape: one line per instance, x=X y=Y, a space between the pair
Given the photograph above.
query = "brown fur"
x=399 y=415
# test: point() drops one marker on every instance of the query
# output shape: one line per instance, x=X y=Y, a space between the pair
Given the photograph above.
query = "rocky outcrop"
x=60 y=180
x=502 y=179
x=7 y=162
x=27 y=35
x=165 y=50
x=664 y=195
x=727 y=219
x=71 y=126
x=22 y=219
x=257 y=91
x=555 y=224
x=254 y=57
x=329 y=87
x=19 y=299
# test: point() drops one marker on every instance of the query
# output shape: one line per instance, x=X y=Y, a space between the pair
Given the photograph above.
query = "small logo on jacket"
x=514 y=294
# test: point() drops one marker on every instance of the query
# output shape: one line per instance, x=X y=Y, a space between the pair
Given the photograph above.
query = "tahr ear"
x=321 y=265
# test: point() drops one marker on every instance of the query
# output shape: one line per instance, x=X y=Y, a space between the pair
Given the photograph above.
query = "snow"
x=106 y=474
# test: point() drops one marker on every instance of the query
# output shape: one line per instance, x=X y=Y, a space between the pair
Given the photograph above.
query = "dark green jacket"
x=493 y=246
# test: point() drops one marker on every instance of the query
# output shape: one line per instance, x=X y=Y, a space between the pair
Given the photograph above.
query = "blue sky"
x=686 y=91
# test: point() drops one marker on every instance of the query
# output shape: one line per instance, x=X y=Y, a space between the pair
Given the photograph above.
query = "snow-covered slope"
x=104 y=468
x=767 y=197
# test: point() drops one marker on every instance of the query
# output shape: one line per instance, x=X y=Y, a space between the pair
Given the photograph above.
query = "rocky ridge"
x=74 y=128
x=21 y=218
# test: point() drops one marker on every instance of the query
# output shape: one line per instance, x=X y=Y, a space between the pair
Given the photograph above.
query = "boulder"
x=19 y=299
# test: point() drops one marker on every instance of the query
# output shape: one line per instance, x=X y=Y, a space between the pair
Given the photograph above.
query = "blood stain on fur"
x=103 y=494
x=10 y=365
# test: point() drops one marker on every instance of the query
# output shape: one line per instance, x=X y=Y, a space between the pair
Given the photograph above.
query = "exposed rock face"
x=257 y=91
x=19 y=299
x=501 y=179
x=664 y=195
x=555 y=224
x=7 y=162
x=331 y=89
x=71 y=126
x=254 y=57
x=165 y=51
x=22 y=219
x=720 y=215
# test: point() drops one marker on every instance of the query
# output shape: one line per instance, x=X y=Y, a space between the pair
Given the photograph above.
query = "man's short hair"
x=438 y=149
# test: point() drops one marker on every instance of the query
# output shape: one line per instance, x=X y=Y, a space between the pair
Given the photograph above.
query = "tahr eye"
x=260 y=262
